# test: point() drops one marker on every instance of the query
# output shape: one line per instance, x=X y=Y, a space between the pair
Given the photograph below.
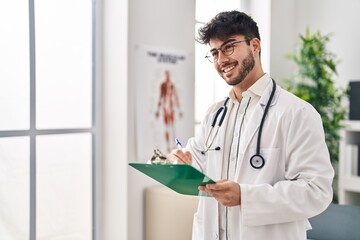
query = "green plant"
x=316 y=68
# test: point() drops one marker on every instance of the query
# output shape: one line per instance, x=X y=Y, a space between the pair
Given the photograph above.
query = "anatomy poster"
x=164 y=99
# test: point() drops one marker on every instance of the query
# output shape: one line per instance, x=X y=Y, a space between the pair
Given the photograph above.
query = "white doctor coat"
x=294 y=184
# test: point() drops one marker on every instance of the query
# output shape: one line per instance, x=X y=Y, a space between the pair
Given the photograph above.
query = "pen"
x=180 y=147
x=178 y=144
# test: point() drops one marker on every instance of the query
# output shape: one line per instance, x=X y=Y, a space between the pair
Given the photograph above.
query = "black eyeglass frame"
x=226 y=52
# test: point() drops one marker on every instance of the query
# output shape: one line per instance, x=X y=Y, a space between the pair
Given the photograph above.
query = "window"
x=209 y=86
x=48 y=135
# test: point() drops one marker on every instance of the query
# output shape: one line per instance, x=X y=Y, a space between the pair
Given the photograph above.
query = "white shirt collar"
x=257 y=89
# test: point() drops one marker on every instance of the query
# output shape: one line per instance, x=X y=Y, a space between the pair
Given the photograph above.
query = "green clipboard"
x=181 y=178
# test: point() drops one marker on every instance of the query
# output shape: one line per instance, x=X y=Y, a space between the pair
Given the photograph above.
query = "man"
x=264 y=147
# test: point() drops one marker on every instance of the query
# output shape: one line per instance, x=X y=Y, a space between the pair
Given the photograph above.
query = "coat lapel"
x=217 y=156
x=252 y=128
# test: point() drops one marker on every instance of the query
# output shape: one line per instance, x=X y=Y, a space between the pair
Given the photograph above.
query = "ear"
x=256 y=45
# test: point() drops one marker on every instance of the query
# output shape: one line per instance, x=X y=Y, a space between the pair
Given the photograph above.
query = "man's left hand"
x=226 y=192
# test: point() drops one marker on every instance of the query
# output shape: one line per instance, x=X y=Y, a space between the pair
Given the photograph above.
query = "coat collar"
x=254 y=121
x=257 y=89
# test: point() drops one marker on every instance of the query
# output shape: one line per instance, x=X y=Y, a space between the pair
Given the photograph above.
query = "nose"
x=221 y=58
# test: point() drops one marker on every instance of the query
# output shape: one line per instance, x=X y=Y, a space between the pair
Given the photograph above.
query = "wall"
x=163 y=24
x=289 y=18
x=283 y=36
x=115 y=104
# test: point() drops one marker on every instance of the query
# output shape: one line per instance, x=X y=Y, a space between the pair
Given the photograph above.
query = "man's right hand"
x=178 y=156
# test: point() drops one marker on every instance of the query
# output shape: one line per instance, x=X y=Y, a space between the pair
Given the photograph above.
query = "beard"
x=247 y=65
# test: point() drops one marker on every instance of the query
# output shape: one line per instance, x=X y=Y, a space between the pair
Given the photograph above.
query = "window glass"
x=64 y=162
x=14 y=188
x=209 y=86
x=64 y=186
x=207 y=9
x=204 y=74
x=14 y=65
x=63 y=63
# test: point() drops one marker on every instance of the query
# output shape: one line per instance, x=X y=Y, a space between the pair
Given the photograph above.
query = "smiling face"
x=236 y=67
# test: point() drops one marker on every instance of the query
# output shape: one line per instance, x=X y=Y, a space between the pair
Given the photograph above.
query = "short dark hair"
x=226 y=24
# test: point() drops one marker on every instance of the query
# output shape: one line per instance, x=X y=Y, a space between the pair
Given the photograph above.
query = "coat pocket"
x=272 y=170
x=197 y=231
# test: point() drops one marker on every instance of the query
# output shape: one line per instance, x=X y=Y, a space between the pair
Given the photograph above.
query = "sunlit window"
x=47 y=127
x=14 y=66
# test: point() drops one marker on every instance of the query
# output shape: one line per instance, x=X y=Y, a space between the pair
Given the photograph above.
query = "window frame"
x=94 y=130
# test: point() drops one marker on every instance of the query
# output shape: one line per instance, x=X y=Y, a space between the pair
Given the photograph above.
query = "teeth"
x=228 y=69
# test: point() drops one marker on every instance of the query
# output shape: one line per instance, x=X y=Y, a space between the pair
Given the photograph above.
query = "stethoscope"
x=256 y=161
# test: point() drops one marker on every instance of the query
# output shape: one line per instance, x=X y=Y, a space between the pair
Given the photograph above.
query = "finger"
x=205 y=190
x=211 y=187
x=215 y=186
x=177 y=152
x=188 y=157
x=183 y=157
x=174 y=159
x=222 y=181
x=176 y=155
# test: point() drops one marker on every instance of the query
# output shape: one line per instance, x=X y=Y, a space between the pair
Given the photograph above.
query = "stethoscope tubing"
x=264 y=116
x=222 y=110
x=256 y=161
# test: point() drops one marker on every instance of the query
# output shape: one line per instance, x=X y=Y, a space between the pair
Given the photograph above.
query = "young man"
x=264 y=146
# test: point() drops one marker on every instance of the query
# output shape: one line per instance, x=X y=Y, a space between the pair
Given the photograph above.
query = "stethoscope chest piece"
x=257 y=161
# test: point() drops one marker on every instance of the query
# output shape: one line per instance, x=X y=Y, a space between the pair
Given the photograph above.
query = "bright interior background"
x=64 y=98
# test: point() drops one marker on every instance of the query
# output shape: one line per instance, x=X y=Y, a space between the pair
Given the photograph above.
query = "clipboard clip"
x=158 y=158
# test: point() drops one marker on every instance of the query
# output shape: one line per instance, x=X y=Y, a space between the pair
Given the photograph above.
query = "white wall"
x=289 y=18
x=165 y=24
x=125 y=24
x=115 y=105
x=283 y=36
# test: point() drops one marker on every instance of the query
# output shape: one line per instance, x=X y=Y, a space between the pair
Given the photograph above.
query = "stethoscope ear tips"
x=257 y=161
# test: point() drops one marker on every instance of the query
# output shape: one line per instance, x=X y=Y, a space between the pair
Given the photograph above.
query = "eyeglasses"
x=226 y=49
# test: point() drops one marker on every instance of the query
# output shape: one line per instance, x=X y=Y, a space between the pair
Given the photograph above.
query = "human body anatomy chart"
x=164 y=99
